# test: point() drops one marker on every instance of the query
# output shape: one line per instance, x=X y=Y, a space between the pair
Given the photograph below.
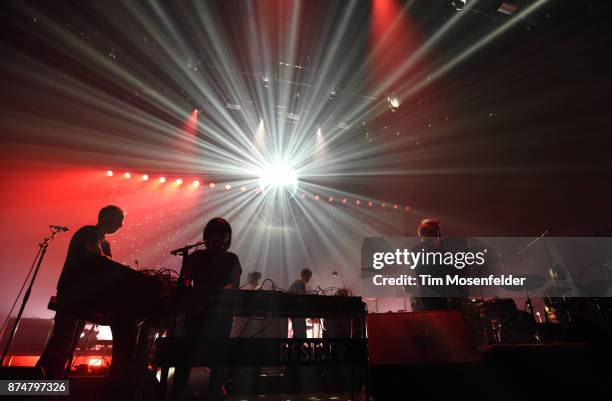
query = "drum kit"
x=500 y=321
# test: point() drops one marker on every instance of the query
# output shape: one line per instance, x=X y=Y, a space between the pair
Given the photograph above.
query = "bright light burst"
x=278 y=176
x=192 y=100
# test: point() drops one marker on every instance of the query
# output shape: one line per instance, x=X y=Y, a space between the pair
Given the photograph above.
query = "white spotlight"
x=278 y=176
x=393 y=103
x=458 y=4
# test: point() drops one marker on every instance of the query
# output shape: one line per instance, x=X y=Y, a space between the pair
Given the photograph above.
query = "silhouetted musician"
x=434 y=297
x=85 y=268
x=298 y=287
x=214 y=268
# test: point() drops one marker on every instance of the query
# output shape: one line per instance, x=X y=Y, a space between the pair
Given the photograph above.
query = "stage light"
x=393 y=103
x=458 y=4
x=242 y=188
x=383 y=205
x=370 y=204
x=278 y=176
x=344 y=200
x=179 y=181
x=394 y=206
x=407 y=207
x=212 y=185
x=127 y=175
x=228 y=187
x=95 y=361
x=109 y=173
x=145 y=177
x=330 y=199
x=162 y=179
x=507 y=8
x=196 y=183
x=358 y=202
x=317 y=197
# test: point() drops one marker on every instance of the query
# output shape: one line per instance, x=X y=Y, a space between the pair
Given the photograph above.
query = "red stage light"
x=162 y=179
x=358 y=202
x=331 y=199
x=145 y=177
x=109 y=173
x=383 y=205
x=344 y=200
x=179 y=181
x=196 y=183
x=317 y=197
x=127 y=175
x=370 y=204
x=394 y=206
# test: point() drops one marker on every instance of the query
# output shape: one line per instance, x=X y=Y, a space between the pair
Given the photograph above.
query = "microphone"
x=59 y=228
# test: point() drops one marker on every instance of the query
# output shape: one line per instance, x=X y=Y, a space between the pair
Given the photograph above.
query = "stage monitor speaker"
x=30 y=338
x=419 y=337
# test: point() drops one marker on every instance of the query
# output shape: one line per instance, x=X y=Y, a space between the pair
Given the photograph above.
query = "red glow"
x=162 y=179
x=392 y=39
x=145 y=177
x=191 y=124
x=331 y=199
x=196 y=183
x=22 y=360
x=127 y=175
x=179 y=181
x=370 y=203
x=358 y=202
x=344 y=200
x=109 y=173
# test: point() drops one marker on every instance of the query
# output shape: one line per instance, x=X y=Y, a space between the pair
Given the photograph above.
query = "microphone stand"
x=183 y=252
x=528 y=302
x=43 y=245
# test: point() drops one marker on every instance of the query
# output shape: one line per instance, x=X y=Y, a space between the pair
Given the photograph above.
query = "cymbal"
x=532 y=282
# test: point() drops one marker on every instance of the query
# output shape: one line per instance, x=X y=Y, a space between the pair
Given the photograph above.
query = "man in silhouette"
x=86 y=244
x=87 y=266
x=298 y=287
